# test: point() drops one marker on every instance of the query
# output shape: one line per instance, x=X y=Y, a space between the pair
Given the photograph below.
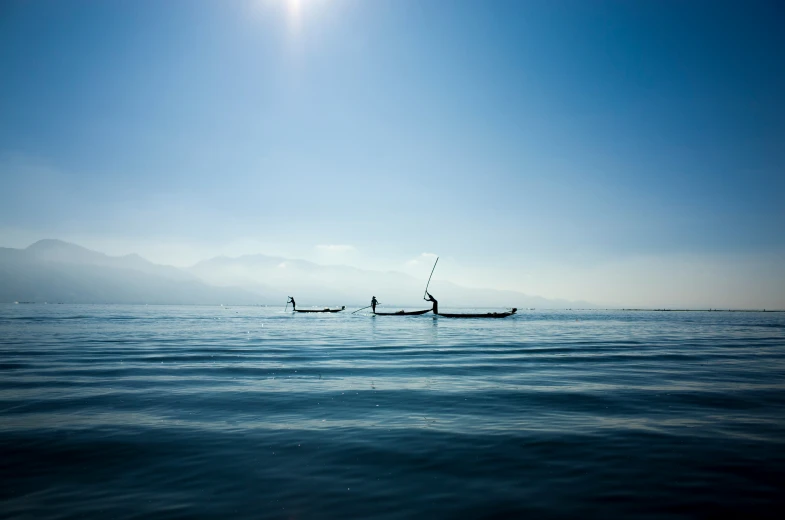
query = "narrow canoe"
x=319 y=310
x=483 y=315
x=402 y=313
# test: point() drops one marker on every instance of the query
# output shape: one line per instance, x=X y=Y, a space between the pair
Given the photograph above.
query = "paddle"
x=358 y=310
x=429 y=278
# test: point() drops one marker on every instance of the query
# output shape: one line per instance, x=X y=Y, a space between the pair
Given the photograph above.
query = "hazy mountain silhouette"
x=50 y=250
x=57 y=271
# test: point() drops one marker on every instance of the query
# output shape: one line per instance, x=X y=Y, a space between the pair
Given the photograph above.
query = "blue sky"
x=592 y=150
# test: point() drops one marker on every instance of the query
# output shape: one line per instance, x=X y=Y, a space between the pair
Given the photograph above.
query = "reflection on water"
x=247 y=411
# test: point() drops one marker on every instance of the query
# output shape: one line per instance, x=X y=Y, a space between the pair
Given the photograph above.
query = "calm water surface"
x=175 y=412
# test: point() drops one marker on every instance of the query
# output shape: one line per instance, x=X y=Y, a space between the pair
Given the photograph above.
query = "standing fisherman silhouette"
x=291 y=300
x=374 y=302
x=432 y=299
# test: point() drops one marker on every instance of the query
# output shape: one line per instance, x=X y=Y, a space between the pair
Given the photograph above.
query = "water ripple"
x=137 y=411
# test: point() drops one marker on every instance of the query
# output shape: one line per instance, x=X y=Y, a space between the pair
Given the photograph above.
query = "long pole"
x=358 y=310
x=429 y=278
x=287 y=306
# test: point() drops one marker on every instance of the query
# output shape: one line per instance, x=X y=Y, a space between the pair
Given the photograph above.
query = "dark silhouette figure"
x=374 y=302
x=294 y=305
x=435 y=303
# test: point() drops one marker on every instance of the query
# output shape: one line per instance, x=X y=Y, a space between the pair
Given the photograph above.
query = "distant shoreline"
x=457 y=307
x=683 y=310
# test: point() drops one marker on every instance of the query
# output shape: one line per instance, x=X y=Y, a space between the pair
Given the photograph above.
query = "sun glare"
x=293 y=11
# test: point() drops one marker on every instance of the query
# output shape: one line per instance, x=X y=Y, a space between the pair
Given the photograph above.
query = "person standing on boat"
x=291 y=300
x=430 y=298
x=374 y=302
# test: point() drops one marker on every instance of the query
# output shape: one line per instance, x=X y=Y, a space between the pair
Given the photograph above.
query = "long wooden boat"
x=402 y=313
x=320 y=310
x=481 y=315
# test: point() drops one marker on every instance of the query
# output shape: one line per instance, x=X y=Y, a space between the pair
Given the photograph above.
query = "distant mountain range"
x=56 y=271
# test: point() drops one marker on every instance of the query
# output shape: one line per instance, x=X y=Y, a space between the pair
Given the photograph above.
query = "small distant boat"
x=326 y=309
x=402 y=313
x=320 y=310
x=481 y=315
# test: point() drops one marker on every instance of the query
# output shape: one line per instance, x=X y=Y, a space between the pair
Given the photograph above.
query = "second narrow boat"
x=402 y=313
x=320 y=310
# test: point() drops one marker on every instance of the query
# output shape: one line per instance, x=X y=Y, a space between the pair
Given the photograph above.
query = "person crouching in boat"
x=374 y=302
x=435 y=303
x=291 y=300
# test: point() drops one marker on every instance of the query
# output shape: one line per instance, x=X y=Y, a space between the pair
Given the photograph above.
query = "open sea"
x=249 y=412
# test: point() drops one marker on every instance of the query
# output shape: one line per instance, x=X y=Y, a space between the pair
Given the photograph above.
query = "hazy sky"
x=618 y=152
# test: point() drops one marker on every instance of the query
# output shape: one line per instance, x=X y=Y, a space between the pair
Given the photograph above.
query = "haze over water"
x=249 y=412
